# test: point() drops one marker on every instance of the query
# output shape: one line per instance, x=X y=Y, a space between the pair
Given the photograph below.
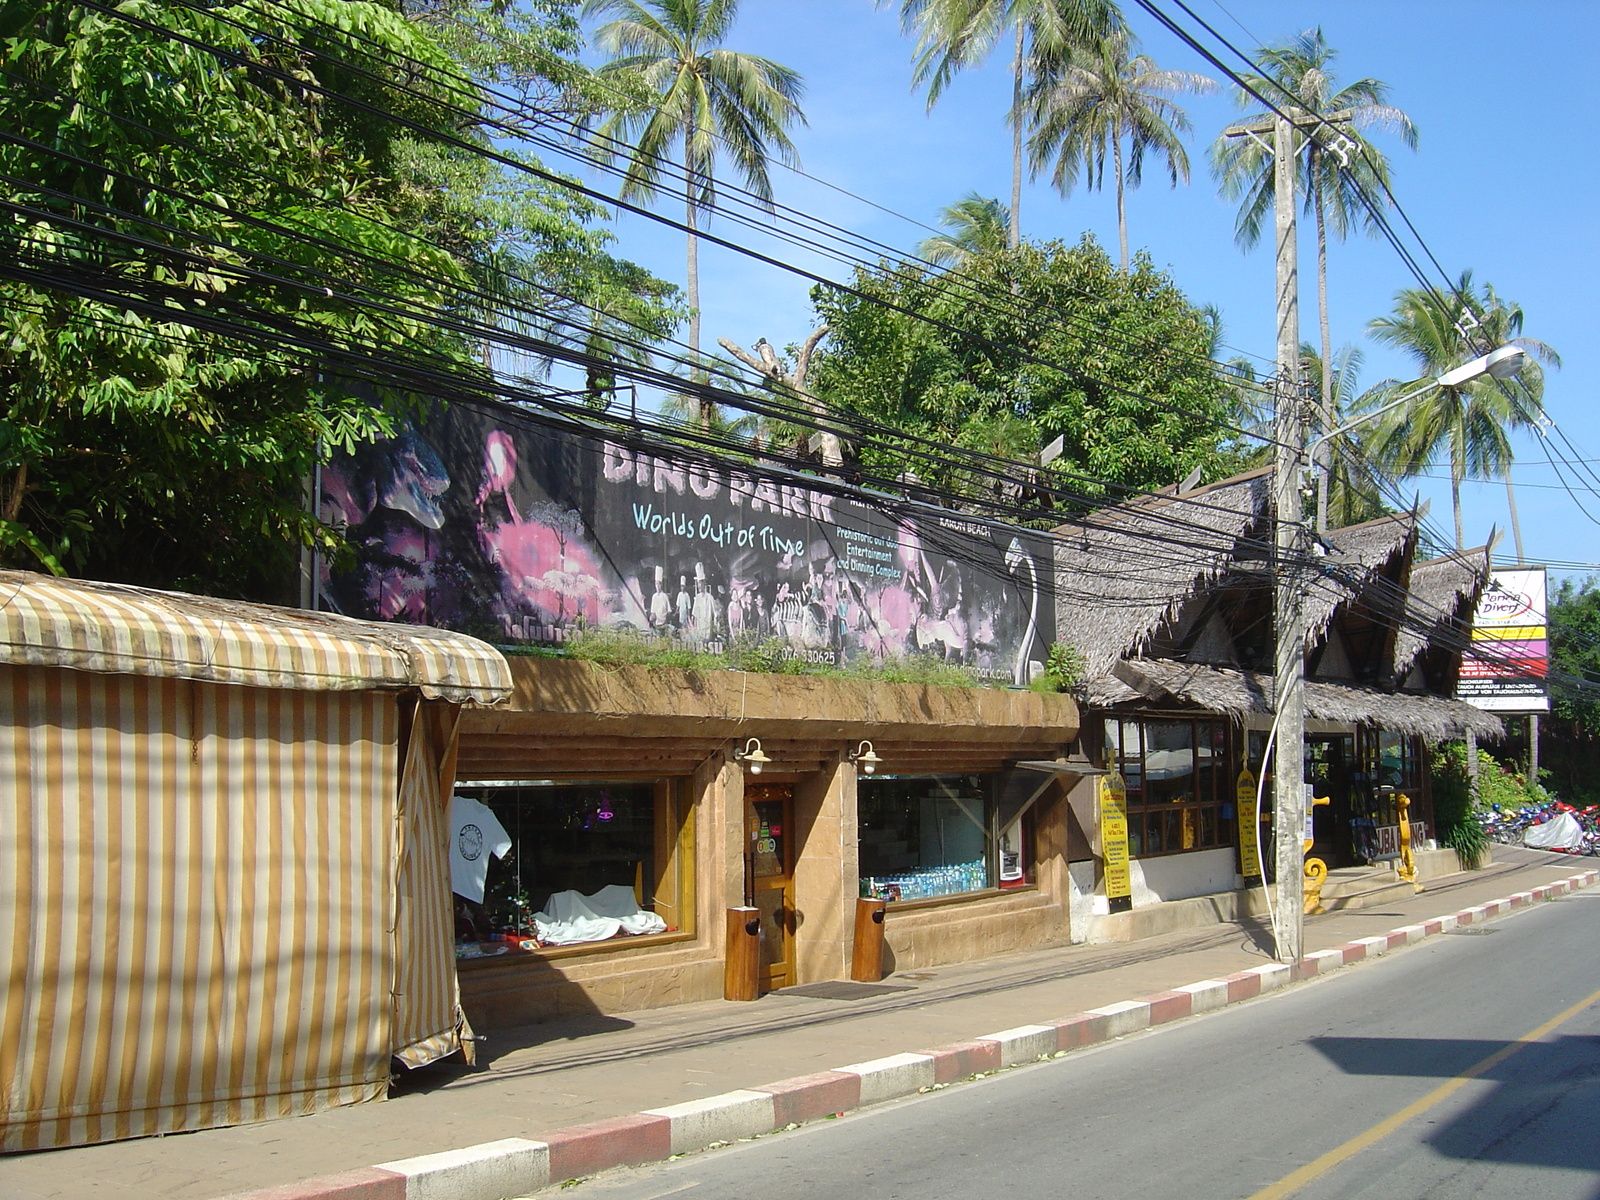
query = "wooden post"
x=741 y=979
x=866 y=955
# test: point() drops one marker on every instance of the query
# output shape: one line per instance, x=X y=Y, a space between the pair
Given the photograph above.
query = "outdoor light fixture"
x=752 y=755
x=1503 y=362
x=866 y=758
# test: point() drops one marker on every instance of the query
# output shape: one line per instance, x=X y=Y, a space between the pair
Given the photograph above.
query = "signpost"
x=1113 y=796
x=1510 y=656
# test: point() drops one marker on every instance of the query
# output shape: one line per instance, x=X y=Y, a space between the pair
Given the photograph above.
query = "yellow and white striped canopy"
x=116 y=629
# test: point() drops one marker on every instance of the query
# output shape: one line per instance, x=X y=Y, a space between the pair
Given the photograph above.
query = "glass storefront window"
x=1180 y=779
x=589 y=861
x=926 y=836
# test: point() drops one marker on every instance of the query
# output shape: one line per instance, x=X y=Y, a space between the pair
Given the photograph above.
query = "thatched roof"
x=1439 y=604
x=1123 y=572
x=1238 y=693
x=1364 y=551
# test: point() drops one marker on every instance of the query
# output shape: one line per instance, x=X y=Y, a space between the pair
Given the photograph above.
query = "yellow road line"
x=1296 y=1180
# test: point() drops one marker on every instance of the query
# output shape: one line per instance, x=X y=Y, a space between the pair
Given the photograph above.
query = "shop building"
x=644 y=784
x=1178 y=691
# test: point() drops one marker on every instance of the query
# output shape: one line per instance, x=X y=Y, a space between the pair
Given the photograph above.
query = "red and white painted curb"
x=517 y=1166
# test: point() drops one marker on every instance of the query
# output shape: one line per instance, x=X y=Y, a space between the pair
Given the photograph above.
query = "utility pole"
x=1289 y=548
x=1288 y=665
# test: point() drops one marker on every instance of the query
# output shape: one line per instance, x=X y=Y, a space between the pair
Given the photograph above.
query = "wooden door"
x=769 y=831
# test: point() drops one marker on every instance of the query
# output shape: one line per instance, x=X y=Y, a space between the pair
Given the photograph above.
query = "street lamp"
x=1288 y=723
x=1501 y=363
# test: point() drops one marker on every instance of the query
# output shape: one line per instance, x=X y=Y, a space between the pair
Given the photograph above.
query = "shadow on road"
x=1542 y=1112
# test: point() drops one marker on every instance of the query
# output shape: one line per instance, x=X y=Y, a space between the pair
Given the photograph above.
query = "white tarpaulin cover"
x=572 y=917
x=1559 y=833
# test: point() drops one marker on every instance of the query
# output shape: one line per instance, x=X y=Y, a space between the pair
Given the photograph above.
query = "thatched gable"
x=1440 y=601
x=1124 y=572
x=1239 y=693
x=1364 y=552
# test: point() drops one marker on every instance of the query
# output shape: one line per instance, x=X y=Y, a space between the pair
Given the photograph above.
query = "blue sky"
x=1503 y=183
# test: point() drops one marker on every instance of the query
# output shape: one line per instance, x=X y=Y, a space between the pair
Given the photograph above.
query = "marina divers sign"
x=1510 y=656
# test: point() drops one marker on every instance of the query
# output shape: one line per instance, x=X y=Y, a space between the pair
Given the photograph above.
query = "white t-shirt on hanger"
x=474 y=835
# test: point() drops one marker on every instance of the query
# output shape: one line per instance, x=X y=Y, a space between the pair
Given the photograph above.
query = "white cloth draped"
x=572 y=917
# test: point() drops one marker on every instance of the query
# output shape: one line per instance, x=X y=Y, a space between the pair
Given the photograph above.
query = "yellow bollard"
x=1316 y=872
x=1407 y=869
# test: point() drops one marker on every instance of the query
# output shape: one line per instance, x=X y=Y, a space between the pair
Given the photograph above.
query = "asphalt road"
x=1466 y=1066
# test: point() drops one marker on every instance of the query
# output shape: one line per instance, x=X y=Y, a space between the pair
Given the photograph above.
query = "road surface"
x=1466 y=1066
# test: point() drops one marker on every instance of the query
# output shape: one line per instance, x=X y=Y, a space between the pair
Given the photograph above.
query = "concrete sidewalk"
x=543 y=1079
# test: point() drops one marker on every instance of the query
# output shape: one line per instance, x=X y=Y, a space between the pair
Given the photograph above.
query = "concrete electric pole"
x=1288 y=666
x=1289 y=548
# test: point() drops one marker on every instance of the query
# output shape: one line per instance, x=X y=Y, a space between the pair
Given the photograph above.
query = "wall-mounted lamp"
x=752 y=755
x=866 y=758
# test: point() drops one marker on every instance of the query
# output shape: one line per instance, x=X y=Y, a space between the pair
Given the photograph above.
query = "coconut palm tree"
x=1356 y=481
x=1337 y=174
x=705 y=103
x=955 y=34
x=977 y=225
x=1470 y=424
x=1097 y=99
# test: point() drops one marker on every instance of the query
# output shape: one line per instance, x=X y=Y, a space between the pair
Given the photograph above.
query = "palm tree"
x=977 y=225
x=705 y=102
x=1096 y=98
x=1339 y=179
x=1472 y=423
x=954 y=34
x=1355 y=480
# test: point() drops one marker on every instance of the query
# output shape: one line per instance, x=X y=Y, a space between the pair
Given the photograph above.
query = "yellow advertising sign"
x=1244 y=803
x=1114 y=835
x=1510 y=633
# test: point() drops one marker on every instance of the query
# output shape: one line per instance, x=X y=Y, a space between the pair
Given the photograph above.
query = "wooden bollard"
x=741 y=973
x=866 y=956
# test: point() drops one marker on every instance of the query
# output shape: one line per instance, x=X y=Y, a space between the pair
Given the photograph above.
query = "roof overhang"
x=115 y=629
x=1239 y=693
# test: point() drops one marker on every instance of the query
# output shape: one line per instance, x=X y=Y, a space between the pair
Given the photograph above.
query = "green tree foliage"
x=1468 y=427
x=1103 y=101
x=1575 y=650
x=1337 y=173
x=703 y=103
x=190 y=187
x=953 y=35
x=1129 y=385
x=1355 y=482
x=975 y=224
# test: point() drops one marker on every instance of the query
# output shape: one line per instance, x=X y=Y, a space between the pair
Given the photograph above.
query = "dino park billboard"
x=481 y=519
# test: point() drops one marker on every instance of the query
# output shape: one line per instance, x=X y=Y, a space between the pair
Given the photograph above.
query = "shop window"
x=1180 y=779
x=589 y=861
x=926 y=836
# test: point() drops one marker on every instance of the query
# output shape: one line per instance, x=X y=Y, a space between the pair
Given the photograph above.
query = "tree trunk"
x=693 y=269
x=1325 y=448
x=1455 y=501
x=1014 y=237
x=1122 y=208
x=1516 y=526
x=19 y=489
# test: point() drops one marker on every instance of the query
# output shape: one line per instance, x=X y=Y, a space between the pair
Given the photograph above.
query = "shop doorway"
x=769 y=858
x=1330 y=767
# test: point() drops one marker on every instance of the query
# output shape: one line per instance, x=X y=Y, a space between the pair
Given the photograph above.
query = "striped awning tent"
x=224 y=890
x=121 y=630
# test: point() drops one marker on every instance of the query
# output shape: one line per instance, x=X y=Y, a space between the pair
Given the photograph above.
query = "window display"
x=587 y=861
x=921 y=837
x=1180 y=779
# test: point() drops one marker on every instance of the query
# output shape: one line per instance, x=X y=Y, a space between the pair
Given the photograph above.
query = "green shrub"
x=1063 y=669
x=770 y=656
x=1453 y=810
